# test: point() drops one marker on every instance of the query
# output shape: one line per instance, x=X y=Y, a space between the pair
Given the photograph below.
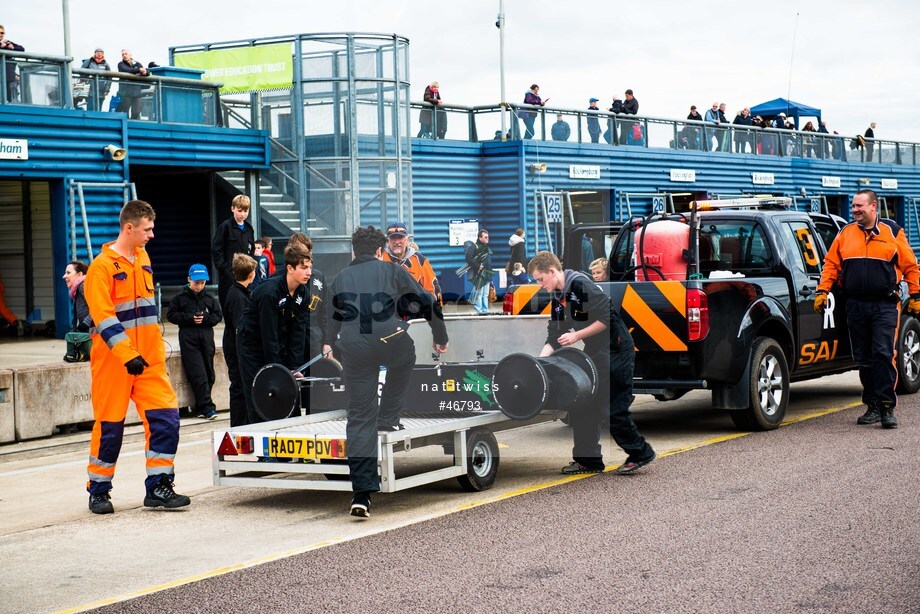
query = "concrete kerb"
x=7 y=407
x=49 y=396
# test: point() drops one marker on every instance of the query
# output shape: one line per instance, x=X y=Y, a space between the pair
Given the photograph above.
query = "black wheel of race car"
x=769 y=388
x=481 y=461
x=909 y=356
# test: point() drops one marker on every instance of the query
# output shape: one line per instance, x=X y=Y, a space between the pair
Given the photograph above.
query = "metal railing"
x=41 y=80
x=480 y=123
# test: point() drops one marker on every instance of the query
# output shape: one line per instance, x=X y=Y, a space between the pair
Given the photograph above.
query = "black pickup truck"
x=740 y=321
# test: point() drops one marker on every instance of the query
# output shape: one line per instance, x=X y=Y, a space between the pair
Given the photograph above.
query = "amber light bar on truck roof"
x=765 y=202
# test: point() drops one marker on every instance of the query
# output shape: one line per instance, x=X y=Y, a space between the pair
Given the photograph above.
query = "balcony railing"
x=39 y=80
x=482 y=123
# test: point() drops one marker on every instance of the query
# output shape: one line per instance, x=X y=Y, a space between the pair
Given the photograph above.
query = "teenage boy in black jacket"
x=273 y=327
x=369 y=297
x=318 y=339
x=196 y=313
x=233 y=236
x=581 y=311
x=244 y=272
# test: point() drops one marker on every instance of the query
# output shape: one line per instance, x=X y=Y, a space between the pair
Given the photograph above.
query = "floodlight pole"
x=65 y=10
x=500 y=24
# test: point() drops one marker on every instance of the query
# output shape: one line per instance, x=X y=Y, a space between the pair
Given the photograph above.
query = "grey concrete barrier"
x=48 y=396
x=7 y=413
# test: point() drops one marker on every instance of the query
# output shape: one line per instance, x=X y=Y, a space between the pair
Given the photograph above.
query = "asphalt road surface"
x=817 y=516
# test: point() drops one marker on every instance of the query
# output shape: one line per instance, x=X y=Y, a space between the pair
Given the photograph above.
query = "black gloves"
x=136 y=365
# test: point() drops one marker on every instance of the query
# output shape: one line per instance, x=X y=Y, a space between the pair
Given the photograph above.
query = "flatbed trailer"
x=298 y=452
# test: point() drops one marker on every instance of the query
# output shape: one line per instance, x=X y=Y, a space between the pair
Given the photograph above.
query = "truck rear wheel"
x=909 y=356
x=481 y=461
x=769 y=387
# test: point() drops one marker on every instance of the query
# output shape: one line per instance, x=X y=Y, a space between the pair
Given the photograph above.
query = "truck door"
x=821 y=340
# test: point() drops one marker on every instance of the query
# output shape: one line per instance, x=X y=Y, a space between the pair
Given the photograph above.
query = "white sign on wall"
x=889 y=184
x=579 y=171
x=684 y=175
x=462 y=231
x=762 y=178
x=830 y=182
x=14 y=149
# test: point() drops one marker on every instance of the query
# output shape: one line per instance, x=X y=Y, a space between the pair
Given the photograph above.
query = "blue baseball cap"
x=592 y=100
x=198 y=272
x=397 y=229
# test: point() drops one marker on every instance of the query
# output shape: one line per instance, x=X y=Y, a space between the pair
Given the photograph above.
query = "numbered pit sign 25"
x=553 y=207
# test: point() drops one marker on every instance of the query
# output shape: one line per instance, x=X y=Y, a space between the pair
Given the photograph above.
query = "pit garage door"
x=25 y=249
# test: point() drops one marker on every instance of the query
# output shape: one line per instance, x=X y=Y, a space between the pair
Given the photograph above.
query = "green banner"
x=243 y=69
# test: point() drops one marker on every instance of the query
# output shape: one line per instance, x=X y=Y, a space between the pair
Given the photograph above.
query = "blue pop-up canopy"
x=791 y=108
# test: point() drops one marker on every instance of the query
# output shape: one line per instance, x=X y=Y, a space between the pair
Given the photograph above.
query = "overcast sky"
x=855 y=60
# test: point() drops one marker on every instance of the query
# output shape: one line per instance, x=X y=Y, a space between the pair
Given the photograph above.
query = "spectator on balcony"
x=12 y=79
x=616 y=107
x=809 y=147
x=83 y=88
x=529 y=115
x=561 y=130
x=627 y=129
x=594 y=124
x=825 y=141
x=433 y=121
x=712 y=115
x=131 y=93
x=743 y=139
x=690 y=135
x=766 y=143
x=870 y=137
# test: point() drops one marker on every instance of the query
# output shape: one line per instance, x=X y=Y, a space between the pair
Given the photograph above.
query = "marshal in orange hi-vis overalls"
x=121 y=301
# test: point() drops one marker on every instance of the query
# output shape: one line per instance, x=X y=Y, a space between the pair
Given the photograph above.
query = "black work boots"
x=887 y=416
x=871 y=416
x=101 y=503
x=879 y=412
x=163 y=495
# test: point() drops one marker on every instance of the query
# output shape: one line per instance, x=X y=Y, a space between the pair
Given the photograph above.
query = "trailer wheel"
x=481 y=461
x=769 y=388
x=909 y=356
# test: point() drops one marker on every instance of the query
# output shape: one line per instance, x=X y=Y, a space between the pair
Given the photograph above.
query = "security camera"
x=538 y=168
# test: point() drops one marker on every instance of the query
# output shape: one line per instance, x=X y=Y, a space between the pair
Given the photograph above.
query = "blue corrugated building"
x=54 y=167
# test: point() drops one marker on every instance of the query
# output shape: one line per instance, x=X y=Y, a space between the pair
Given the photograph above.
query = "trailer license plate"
x=304 y=447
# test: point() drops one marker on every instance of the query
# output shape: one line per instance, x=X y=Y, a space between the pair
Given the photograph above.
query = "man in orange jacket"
x=399 y=252
x=868 y=259
x=128 y=362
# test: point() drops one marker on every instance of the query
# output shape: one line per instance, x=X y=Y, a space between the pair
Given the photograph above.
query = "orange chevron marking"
x=676 y=294
x=650 y=323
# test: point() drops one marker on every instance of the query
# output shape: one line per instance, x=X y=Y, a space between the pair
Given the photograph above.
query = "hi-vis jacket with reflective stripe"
x=870 y=263
x=121 y=302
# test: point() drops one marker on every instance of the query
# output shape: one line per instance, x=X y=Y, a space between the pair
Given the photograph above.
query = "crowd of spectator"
x=715 y=132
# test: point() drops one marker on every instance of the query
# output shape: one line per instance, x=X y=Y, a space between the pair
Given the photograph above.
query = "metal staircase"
x=275 y=204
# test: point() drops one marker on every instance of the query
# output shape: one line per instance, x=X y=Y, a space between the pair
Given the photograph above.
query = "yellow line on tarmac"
x=466 y=506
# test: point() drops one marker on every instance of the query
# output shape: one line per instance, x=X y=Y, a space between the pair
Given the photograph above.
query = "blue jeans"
x=479 y=298
x=528 y=126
